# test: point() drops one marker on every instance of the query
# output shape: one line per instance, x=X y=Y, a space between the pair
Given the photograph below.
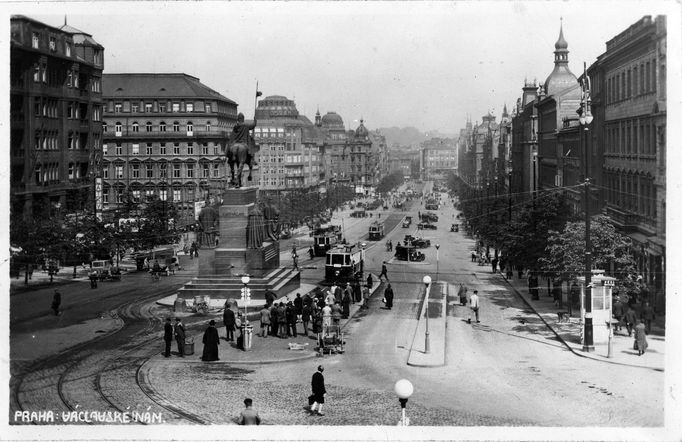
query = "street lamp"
x=404 y=389
x=437 y=261
x=246 y=295
x=585 y=118
x=427 y=287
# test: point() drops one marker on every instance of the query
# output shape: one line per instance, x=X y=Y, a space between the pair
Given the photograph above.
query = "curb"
x=582 y=355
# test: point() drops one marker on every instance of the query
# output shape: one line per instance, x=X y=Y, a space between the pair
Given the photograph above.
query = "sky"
x=420 y=64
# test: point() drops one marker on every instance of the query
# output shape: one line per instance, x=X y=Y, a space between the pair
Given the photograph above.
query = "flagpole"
x=255 y=101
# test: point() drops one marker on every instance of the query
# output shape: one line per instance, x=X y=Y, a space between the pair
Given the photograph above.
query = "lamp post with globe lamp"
x=427 y=287
x=247 y=330
x=404 y=389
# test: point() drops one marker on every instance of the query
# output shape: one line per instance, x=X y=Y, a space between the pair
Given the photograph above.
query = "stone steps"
x=280 y=281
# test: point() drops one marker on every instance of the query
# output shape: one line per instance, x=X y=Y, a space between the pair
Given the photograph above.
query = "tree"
x=565 y=253
x=157 y=227
x=390 y=182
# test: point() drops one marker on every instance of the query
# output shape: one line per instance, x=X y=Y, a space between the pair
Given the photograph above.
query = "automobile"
x=359 y=214
x=408 y=253
x=454 y=228
x=407 y=221
x=427 y=226
x=429 y=217
x=420 y=243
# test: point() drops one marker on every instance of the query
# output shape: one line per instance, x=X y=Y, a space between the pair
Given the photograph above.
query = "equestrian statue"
x=241 y=150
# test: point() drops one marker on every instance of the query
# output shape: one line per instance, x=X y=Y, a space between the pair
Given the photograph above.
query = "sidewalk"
x=569 y=332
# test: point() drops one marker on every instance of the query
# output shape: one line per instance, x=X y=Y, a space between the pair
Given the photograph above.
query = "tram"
x=324 y=238
x=343 y=263
x=376 y=231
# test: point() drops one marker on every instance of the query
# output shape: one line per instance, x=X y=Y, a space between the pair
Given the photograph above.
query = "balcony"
x=623 y=219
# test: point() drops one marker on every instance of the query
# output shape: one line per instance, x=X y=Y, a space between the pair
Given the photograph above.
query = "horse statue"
x=241 y=150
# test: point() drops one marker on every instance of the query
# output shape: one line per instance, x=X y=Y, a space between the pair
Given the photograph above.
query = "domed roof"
x=332 y=120
x=561 y=42
x=361 y=131
x=561 y=77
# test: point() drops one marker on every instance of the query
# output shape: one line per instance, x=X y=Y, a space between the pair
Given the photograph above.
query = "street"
x=509 y=369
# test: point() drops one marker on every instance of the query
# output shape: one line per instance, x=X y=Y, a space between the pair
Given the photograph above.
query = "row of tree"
x=541 y=234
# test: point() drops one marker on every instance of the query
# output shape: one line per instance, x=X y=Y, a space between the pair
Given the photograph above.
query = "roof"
x=177 y=85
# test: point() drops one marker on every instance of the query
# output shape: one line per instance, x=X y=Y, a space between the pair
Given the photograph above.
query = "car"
x=409 y=253
x=427 y=226
x=429 y=217
x=420 y=243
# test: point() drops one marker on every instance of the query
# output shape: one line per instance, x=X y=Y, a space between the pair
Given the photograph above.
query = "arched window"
x=176 y=126
x=162 y=126
x=208 y=126
x=190 y=128
x=104 y=127
x=118 y=128
x=136 y=127
x=149 y=126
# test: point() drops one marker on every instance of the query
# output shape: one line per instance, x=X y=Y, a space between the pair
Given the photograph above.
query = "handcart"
x=330 y=340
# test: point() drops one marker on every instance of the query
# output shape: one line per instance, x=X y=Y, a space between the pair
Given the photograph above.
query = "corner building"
x=55 y=118
x=164 y=136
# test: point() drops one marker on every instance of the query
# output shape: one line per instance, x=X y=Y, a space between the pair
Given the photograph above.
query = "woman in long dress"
x=211 y=342
x=640 y=338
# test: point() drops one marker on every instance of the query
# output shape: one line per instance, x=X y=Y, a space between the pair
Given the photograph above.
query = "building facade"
x=629 y=105
x=164 y=136
x=55 y=118
x=439 y=156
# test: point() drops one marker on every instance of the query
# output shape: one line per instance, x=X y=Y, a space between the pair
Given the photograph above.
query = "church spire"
x=561 y=47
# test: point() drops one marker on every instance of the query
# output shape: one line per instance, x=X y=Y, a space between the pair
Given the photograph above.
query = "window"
x=118 y=108
x=163 y=170
x=162 y=126
x=162 y=149
x=190 y=149
x=189 y=107
x=96 y=113
x=119 y=172
x=118 y=129
x=149 y=170
x=216 y=170
x=119 y=196
x=136 y=127
x=136 y=196
x=119 y=149
x=163 y=194
x=35 y=41
x=149 y=194
x=136 y=149
x=149 y=126
x=105 y=196
x=97 y=56
x=176 y=148
x=176 y=194
x=208 y=126
x=67 y=49
x=215 y=149
x=176 y=126
x=205 y=171
x=148 y=150
x=53 y=44
x=162 y=107
x=190 y=128
x=104 y=127
x=36 y=73
x=176 y=107
x=208 y=107
x=190 y=170
x=70 y=171
x=104 y=148
x=95 y=85
x=176 y=171
x=135 y=170
x=148 y=107
x=204 y=149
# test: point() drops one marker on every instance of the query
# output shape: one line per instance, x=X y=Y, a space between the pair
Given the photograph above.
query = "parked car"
x=420 y=243
x=408 y=253
x=427 y=226
x=429 y=217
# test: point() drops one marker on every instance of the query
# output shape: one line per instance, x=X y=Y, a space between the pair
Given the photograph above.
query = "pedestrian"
x=326 y=318
x=168 y=336
x=370 y=282
x=317 y=319
x=630 y=320
x=306 y=314
x=384 y=271
x=510 y=272
x=647 y=315
x=298 y=306
x=473 y=256
x=269 y=298
x=357 y=291
x=291 y=319
x=274 y=322
x=640 y=338
x=211 y=340
x=618 y=313
x=282 y=320
x=388 y=296
x=56 y=302
x=264 y=322
x=346 y=301
x=248 y=416
x=319 y=392
x=365 y=297
x=330 y=298
x=336 y=314
x=493 y=263
x=474 y=304
x=229 y=322
x=462 y=294
x=338 y=294
x=180 y=337
x=93 y=279
x=240 y=320
x=295 y=264
x=311 y=252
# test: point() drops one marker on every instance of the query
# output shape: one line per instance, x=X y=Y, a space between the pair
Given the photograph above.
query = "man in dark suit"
x=319 y=391
x=228 y=320
x=168 y=336
x=180 y=336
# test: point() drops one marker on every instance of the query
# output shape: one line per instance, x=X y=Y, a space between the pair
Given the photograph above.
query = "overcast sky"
x=426 y=65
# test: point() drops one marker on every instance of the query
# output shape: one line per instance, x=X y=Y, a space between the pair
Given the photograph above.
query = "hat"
x=177 y=319
x=211 y=322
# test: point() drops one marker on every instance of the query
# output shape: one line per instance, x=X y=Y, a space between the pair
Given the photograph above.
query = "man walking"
x=618 y=312
x=264 y=321
x=474 y=304
x=228 y=321
x=630 y=320
x=384 y=271
x=180 y=337
x=168 y=336
x=56 y=302
x=319 y=392
x=311 y=253
x=647 y=315
x=388 y=296
x=249 y=416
